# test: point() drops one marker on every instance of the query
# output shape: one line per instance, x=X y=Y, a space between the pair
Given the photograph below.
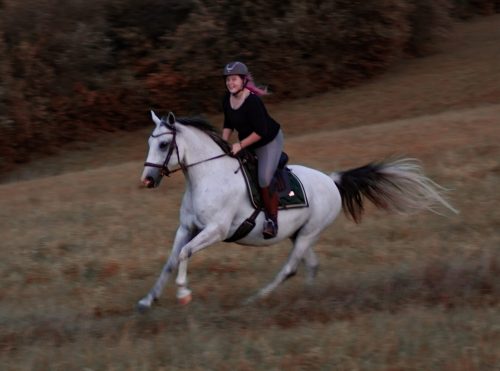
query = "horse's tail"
x=398 y=185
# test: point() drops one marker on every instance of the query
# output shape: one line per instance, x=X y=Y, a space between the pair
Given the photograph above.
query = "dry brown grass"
x=418 y=292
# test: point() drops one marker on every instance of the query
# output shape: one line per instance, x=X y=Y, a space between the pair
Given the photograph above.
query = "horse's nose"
x=149 y=182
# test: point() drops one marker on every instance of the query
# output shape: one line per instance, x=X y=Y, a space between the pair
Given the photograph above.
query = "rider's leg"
x=270 y=201
x=268 y=157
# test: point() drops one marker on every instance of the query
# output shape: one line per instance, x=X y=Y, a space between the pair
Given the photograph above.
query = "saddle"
x=285 y=182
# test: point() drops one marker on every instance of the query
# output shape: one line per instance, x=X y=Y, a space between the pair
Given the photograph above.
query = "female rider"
x=245 y=112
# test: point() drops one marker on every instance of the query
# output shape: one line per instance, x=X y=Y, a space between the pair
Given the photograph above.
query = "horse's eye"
x=163 y=145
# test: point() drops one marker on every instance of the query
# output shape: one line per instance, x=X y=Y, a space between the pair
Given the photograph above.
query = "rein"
x=173 y=145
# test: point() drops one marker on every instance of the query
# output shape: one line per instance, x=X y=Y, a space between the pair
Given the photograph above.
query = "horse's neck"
x=199 y=148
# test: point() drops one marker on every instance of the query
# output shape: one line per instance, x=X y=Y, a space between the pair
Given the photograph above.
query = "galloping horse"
x=216 y=201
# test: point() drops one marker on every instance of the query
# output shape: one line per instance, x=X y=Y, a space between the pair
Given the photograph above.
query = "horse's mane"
x=207 y=128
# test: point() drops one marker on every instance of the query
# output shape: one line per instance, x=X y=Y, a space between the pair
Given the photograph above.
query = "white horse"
x=216 y=201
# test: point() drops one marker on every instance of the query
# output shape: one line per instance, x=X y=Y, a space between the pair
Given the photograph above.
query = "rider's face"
x=234 y=83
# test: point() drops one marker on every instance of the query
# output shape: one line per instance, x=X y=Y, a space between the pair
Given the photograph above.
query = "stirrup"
x=270 y=229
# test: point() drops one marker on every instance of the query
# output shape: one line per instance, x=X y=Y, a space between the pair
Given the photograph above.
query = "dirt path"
x=465 y=73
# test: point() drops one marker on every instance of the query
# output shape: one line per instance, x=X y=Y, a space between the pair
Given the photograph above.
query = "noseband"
x=173 y=145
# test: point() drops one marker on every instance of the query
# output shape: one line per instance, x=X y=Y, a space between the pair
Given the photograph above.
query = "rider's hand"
x=236 y=148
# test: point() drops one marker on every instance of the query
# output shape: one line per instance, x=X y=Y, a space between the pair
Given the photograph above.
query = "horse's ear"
x=171 y=119
x=155 y=118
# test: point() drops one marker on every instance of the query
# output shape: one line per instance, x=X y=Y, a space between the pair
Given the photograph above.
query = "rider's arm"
x=226 y=133
x=248 y=141
x=251 y=139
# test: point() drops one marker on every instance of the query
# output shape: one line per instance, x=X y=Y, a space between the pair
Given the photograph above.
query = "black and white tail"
x=398 y=185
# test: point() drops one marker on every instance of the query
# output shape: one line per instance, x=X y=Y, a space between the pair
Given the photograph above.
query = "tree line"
x=74 y=68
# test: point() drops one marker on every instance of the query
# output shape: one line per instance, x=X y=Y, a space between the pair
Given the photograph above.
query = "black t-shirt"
x=250 y=117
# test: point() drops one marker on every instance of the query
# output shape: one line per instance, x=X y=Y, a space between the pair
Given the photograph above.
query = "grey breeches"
x=268 y=157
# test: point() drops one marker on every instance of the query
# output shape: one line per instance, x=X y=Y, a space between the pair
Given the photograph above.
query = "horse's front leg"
x=206 y=237
x=182 y=237
x=210 y=234
x=183 y=292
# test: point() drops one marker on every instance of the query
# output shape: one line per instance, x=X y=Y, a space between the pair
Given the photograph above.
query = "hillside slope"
x=79 y=249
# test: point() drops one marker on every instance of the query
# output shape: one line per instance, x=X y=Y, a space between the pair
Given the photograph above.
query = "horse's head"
x=163 y=151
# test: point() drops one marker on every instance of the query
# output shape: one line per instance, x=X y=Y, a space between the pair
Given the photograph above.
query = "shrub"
x=6 y=124
x=429 y=21
x=469 y=8
x=72 y=68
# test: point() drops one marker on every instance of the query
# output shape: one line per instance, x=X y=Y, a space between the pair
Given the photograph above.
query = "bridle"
x=173 y=145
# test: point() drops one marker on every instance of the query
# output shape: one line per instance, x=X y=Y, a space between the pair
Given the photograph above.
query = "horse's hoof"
x=185 y=299
x=257 y=297
x=143 y=305
x=141 y=308
x=250 y=300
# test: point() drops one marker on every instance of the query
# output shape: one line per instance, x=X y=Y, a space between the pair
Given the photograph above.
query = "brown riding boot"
x=270 y=201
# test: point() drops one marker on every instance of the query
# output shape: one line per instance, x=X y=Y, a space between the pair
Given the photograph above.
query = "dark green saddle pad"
x=289 y=186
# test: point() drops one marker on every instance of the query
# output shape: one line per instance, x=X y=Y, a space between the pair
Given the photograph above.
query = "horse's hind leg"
x=311 y=263
x=301 y=249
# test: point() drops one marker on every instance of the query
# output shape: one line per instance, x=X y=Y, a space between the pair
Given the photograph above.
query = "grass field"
x=81 y=242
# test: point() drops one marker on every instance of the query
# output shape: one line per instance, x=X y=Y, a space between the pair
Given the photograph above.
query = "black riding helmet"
x=237 y=68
